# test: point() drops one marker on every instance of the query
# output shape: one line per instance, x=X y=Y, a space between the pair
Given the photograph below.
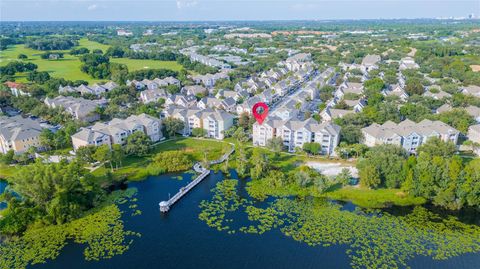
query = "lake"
x=3 y=185
x=179 y=239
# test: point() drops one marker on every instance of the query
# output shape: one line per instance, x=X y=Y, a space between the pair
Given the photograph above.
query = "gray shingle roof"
x=18 y=128
x=407 y=127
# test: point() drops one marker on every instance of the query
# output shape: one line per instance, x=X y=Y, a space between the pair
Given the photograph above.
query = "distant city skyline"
x=218 y=10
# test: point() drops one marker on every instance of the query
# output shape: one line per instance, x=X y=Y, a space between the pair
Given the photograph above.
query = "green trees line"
x=436 y=173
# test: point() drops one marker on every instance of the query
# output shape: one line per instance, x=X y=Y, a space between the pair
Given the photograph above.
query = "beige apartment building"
x=214 y=122
x=19 y=134
x=296 y=133
x=408 y=134
x=116 y=131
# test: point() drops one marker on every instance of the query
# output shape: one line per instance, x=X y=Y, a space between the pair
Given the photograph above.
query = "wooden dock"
x=166 y=205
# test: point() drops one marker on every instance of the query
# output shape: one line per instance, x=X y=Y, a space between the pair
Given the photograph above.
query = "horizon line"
x=262 y=20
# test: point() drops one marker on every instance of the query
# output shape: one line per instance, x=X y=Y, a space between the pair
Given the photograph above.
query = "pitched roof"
x=310 y=125
x=19 y=128
x=472 y=89
x=80 y=106
x=473 y=111
x=12 y=84
x=407 y=127
x=371 y=59
x=115 y=126
x=475 y=128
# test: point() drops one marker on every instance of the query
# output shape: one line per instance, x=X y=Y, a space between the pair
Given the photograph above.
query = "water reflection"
x=179 y=239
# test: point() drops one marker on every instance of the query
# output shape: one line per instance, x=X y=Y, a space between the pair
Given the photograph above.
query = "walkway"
x=165 y=205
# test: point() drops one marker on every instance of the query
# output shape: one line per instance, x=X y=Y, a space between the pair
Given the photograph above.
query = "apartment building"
x=471 y=90
x=408 y=134
x=349 y=88
x=17 y=89
x=209 y=80
x=153 y=84
x=149 y=96
x=214 y=122
x=95 y=89
x=116 y=131
x=19 y=134
x=296 y=133
x=474 y=133
x=81 y=109
x=408 y=63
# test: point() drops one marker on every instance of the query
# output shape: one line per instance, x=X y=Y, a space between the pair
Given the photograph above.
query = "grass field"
x=92 y=45
x=69 y=67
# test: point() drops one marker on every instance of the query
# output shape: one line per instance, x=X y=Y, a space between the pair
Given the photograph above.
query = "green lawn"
x=92 y=45
x=69 y=67
x=7 y=171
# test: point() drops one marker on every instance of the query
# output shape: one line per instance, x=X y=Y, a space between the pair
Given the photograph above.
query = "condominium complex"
x=408 y=134
x=81 y=109
x=19 y=134
x=95 y=89
x=116 y=131
x=214 y=122
x=296 y=133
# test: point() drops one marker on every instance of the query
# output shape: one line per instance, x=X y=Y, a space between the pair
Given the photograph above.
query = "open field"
x=92 y=45
x=69 y=67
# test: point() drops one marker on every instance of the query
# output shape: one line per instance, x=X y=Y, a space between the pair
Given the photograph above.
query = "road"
x=299 y=89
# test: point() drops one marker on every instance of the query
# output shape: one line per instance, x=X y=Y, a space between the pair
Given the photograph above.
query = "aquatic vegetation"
x=375 y=239
x=225 y=199
x=102 y=232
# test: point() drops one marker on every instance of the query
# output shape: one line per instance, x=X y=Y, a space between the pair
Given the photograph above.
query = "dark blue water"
x=3 y=186
x=180 y=240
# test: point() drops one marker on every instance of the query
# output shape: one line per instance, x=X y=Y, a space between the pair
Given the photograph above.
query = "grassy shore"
x=379 y=198
x=7 y=171
x=362 y=197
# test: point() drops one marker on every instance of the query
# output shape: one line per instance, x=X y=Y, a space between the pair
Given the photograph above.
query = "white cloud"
x=186 y=3
x=92 y=7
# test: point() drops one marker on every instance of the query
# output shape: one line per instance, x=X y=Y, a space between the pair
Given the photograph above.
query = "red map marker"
x=260 y=112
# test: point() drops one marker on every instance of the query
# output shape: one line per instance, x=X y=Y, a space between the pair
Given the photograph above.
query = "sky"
x=220 y=10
